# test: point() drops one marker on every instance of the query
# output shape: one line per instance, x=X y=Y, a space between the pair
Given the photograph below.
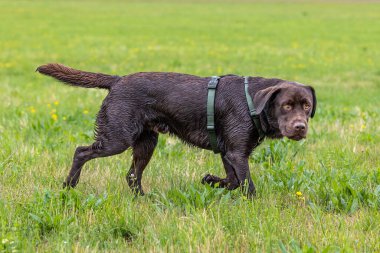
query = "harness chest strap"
x=211 y=89
x=252 y=111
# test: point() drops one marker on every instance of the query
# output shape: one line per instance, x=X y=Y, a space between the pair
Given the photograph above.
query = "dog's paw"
x=211 y=180
x=70 y=182
x=138 y=191
x=67 y=185
x=206 y=179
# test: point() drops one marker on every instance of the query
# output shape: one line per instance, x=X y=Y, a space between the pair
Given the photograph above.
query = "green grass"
x=333 y=46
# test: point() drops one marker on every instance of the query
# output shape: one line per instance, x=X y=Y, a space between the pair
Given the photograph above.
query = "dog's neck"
x=269 y=125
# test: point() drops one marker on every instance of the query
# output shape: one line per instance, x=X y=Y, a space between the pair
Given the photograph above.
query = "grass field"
x=334 y=46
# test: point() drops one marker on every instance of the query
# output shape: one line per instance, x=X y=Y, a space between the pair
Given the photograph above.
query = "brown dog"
x=142 y=105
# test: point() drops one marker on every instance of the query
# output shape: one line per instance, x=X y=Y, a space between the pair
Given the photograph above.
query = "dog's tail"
x=76 y=77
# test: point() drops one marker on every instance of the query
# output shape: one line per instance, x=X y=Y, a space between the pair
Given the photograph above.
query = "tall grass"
x=321 y=194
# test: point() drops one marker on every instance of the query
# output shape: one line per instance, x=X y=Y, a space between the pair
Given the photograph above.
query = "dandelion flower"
x=32 y=109
x=54 y=116
x=299 y=194
x=56 y=102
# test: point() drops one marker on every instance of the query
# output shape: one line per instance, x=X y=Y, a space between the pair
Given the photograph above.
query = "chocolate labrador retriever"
x=140 y=106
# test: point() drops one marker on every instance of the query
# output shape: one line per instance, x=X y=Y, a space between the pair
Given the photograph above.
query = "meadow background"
x=332 y=45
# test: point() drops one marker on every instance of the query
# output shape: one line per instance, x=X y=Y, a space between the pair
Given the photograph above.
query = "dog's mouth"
x=292 y=135
x=296 y=137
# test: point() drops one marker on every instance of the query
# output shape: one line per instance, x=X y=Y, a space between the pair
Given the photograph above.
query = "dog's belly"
x=194 y=137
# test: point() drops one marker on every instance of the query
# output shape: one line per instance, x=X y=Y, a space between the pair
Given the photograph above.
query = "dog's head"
x=287 y=107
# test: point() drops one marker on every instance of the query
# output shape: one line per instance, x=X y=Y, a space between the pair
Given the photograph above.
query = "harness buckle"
x=213 y=83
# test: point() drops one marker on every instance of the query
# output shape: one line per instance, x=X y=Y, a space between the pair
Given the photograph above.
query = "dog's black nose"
x=300 y=126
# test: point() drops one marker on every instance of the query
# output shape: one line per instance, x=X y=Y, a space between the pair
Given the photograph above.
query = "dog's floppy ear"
x=314 y=100
x=262 y=97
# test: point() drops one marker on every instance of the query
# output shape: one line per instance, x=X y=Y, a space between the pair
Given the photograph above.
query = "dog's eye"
x=306 y=107
x=287 y=107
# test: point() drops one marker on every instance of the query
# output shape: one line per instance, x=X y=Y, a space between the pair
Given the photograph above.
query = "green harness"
x=211 y=90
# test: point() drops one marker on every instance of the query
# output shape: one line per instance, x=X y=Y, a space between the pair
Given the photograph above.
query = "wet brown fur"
x=142 y=105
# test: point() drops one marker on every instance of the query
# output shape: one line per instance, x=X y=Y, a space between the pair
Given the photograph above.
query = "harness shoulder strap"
x=252 y=111
x=211 y=89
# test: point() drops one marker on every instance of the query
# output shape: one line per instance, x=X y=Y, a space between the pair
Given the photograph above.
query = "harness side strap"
x=252 y=111
x=211 y=89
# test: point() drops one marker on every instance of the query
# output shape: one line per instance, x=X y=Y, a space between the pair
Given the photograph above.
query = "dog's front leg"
x=239 y=162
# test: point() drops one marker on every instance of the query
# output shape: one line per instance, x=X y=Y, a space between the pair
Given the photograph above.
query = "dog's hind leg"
x=231 y=182
x=85 y=153
x=142 y=152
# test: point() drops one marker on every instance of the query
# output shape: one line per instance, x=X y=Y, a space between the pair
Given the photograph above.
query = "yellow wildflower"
x=299 y=194
x=49 y=105
x=56 y=102
x=32 y=109
x=85 y=112
x=54 y=116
